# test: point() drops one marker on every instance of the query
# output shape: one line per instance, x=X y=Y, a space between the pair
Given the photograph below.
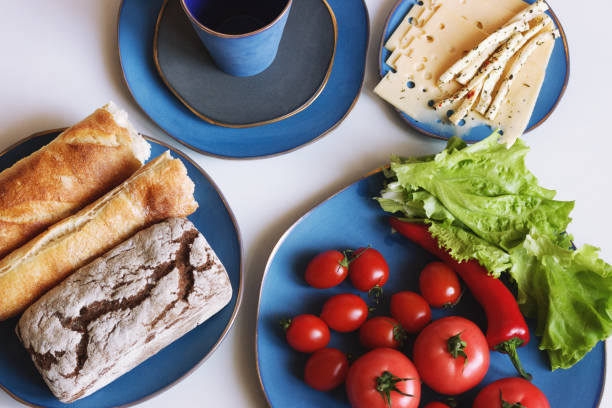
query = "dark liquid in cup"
x=235 y=16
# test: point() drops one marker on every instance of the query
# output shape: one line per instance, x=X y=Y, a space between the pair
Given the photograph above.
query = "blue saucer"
x=136 y=27
x=215 y=220
x=553 y=88
x=351 y=219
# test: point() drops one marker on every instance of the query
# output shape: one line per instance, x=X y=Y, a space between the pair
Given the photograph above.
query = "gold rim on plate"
x=240 y=272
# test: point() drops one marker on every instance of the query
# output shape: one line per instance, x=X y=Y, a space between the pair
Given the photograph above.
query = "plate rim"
x=239 y=296
x=283 y=238
x=265 y=156
x=405 y=116
x=200 y=115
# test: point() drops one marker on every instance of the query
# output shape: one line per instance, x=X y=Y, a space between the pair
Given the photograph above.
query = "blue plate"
x=215 y=220
x=351 y=219
x=553 y=88
x=136 y=27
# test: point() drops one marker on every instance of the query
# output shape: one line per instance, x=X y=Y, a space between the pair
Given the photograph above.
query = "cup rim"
x=222 y=35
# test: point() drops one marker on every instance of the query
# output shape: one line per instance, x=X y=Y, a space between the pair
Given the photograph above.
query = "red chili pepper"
x=506 y=327
x=471 y=94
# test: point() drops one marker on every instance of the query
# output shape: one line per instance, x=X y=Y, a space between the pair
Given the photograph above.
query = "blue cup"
x=242 y=36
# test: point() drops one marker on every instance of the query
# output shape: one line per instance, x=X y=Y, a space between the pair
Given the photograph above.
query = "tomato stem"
x=509 y=347
x=399 y=334
x=375 y=294
x=451 y=402
x=506 y=404
x=285 y=323
x=456 y=347
x=386 y=383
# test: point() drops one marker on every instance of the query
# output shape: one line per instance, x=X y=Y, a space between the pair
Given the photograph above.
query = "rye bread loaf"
x=119 y=310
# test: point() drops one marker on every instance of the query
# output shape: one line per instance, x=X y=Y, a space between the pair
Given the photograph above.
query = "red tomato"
x=514 y=391
x=368 y=269
x=326 y=369
x=306 y=333
x=411 y=310
x=436 y=404
x=439 y=285
x=345 y=312
x=381 y=332
x=327 y=269
x=383 y=378
x=452 y=355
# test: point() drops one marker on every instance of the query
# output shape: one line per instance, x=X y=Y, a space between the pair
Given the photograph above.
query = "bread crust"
x=124 y=307
x=79 y=166
x=159 y=190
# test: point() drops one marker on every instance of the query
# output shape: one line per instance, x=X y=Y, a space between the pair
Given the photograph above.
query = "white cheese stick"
x=469 y=71
x=530 y=12
x=521 y=59
x=466 y=105
x=496 y=62
x=494 y=39
x=490 y=83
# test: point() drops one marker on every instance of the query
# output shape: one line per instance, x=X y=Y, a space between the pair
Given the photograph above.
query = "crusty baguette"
x=159 y=190
x=119 y=310
x=80 y=165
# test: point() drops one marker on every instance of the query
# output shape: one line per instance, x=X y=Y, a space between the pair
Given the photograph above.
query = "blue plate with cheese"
x=431 y=36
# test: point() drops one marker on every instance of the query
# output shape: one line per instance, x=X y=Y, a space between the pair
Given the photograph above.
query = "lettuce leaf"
x=570 y=294
x=481 y=202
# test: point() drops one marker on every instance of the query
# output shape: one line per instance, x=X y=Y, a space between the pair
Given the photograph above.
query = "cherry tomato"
x=439 y=285
x=306 y=333
x=411 y=311
x=513 y=391
x=381 y=332
x=344 y=313
x=326 y=369
x=436 y=404
x=368 y=269
x=327 y=269
x=383 y=378
x=452 y=355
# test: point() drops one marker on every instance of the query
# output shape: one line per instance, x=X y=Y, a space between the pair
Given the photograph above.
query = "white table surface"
x=59 y=61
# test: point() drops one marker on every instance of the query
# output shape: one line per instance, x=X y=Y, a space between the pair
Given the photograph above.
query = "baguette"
x=159 y=190
x=79 y=166
x=124 y=307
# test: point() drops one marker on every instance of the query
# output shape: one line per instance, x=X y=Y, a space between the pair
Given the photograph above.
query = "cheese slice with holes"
x=448 y=34
x=428 y=57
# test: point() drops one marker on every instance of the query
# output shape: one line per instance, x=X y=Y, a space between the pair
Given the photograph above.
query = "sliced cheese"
x=429 y=57
x=426 y=53
x=516 y=109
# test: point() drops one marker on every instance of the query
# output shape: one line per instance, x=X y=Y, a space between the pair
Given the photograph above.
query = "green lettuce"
x=481 y=202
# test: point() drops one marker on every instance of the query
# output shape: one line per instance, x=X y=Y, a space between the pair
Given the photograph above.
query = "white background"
x=59 y=61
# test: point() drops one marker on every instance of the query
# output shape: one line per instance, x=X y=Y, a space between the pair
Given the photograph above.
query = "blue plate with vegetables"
x=478 y=205
x=431 y=50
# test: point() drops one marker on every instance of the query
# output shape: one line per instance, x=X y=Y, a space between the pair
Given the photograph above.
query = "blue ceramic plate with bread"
x=551 y=92
x=352 y=219
x=20 y=378
x=297 y=112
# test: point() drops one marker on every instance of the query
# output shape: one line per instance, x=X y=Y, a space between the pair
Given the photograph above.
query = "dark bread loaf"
x=124 y=307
